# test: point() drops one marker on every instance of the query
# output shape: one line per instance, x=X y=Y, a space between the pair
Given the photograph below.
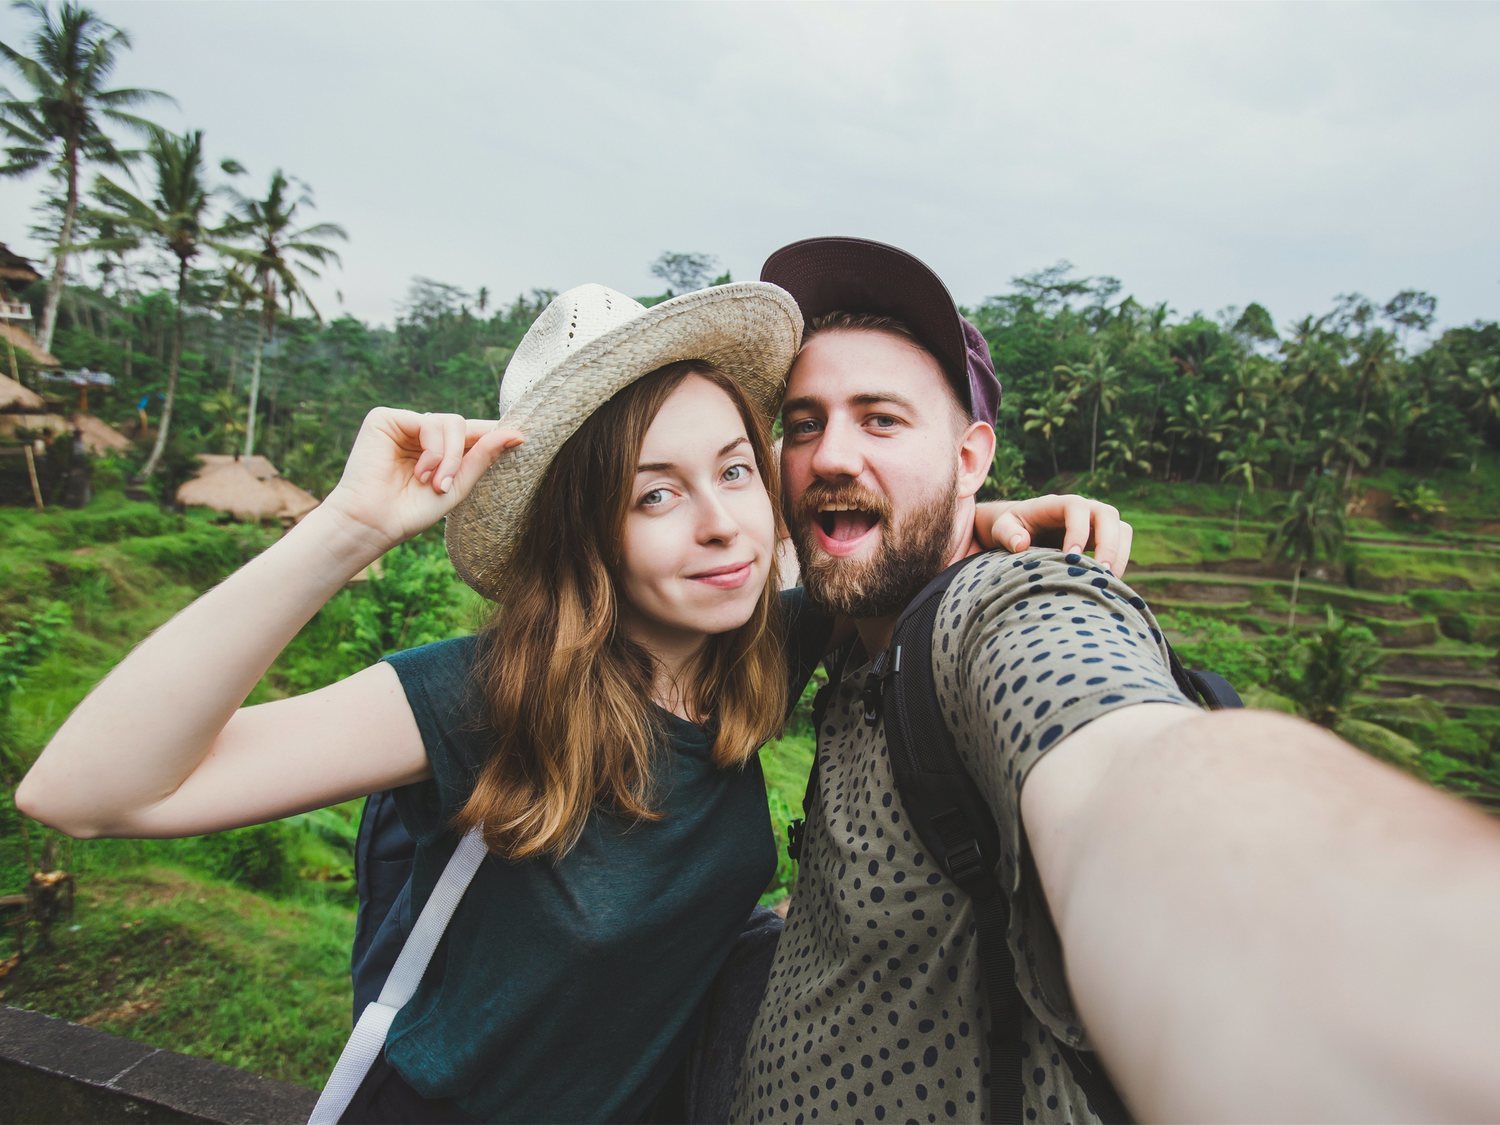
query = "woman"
x=601 y=730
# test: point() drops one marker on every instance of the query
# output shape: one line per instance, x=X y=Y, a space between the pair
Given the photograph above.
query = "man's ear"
x=976 y=453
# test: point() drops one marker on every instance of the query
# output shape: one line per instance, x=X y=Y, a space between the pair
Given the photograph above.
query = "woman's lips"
x=725 y=577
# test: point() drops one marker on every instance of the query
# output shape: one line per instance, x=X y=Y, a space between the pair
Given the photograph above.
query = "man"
x=1242 y=915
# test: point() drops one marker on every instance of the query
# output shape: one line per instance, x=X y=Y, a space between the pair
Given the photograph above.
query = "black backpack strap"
x=950 y=816
x=797 y=827
x=1208 y=689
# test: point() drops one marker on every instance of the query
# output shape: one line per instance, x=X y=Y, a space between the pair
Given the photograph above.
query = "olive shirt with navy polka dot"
x=874 y=1009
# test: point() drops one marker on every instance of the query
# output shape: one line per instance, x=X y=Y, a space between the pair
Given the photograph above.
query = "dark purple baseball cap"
x=856 y=275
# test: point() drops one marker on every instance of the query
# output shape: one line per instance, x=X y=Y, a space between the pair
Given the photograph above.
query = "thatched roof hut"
x=13 y=396
x=98 y=437
x=25 y=344
x=13 y=267
x=248 y=488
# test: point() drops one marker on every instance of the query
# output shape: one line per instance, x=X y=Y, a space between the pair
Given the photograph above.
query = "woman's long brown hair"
x=568 y=693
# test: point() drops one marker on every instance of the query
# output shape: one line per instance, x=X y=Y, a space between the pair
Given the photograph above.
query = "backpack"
x=383 y=854
x=954 y=823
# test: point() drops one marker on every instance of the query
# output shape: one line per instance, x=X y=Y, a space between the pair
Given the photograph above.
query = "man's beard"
x=910 y=553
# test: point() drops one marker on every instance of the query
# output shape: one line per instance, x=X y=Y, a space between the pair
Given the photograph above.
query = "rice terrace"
x=1315 y=497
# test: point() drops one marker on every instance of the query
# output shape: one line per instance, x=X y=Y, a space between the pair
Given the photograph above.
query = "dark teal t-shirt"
x=566 y=991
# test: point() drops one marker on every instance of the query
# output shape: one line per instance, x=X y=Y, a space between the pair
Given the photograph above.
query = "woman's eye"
x=735 y=473
x=654 y=497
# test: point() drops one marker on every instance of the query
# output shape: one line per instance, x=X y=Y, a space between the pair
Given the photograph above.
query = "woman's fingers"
x=443 y=439
x=485 y=449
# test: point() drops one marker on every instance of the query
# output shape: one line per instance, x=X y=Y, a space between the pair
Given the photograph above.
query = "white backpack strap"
x=368 y=1038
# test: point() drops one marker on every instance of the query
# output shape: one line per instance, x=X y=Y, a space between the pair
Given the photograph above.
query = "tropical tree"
x=684 y=272
x=1099 y=381
x=1481 y=385
x=1310 y=525
x=1048 y=416
x=175 y=217
x=272 y=268
x=59 y=124
x=1329 y=668
x=1246 y=461
x=1202 y=419
x=1127 y=447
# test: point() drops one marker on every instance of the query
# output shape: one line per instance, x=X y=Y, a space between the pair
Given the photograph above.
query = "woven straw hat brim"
x=749 y=330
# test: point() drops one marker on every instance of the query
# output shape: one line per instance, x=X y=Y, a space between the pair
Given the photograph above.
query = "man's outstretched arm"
x=1260 y=922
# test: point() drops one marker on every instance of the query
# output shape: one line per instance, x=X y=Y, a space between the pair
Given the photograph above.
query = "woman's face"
x=699 y=532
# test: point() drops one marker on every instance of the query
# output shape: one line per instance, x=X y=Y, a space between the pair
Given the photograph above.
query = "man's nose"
x=836 y=453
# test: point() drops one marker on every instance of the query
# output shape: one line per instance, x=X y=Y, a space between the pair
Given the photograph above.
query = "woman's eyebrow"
x=668 y=466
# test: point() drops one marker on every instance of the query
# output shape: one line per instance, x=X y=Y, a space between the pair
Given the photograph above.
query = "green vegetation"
x=173 y=958
x=1314 y=505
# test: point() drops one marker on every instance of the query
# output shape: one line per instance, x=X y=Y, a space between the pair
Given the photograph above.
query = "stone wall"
x=55 y=1071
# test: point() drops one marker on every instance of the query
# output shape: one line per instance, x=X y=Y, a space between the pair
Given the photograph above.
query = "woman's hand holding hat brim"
x=408 y=470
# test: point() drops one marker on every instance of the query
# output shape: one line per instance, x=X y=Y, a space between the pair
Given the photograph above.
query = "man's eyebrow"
x=806 y=402
x=667 y=466
x=877 y=398
x=869 y=398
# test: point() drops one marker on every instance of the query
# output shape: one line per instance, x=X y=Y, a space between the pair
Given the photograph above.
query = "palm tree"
x=1203 y=421
x=1482 y=380
x=1049 y=415
x=273 y=268
x=60 y=125
x=1126 y=447
x=1245 y=462
x=1098 y=380
x=1310 y=524
x=176 y=218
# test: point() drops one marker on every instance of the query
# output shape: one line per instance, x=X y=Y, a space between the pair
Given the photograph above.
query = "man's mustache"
x=843 y=494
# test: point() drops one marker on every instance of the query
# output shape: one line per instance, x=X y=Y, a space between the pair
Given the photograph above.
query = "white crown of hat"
x=573 y=320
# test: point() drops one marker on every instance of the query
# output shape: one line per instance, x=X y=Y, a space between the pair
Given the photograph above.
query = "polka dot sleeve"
x=1027 y=649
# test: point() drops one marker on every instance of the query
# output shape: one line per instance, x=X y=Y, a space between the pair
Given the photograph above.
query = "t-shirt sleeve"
x=438 y=681
x=1027 y=649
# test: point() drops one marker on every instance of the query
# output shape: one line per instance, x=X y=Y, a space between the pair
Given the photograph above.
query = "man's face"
x=872 y=470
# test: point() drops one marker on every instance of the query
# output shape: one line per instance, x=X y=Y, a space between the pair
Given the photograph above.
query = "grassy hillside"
x=235 y=946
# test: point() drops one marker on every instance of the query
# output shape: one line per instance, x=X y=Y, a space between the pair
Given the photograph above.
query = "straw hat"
x=588 y=344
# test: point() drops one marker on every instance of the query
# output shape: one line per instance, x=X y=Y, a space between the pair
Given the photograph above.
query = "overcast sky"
x=1207 y=155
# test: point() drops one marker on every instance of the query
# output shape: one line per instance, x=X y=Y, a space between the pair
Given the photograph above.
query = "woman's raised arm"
x=162 y=747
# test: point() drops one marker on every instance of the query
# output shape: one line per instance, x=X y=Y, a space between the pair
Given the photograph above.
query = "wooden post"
x=36 y=488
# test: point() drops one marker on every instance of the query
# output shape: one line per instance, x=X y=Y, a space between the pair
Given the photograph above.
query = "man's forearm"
x=1262 y=923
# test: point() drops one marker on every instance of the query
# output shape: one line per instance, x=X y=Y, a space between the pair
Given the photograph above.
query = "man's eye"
x=883 y=421
x=802 y=426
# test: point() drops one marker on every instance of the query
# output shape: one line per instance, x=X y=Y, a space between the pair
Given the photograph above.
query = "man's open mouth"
x=843 y=524
x=842 y=529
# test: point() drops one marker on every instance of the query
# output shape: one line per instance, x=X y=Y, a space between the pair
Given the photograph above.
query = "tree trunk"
x=255 y=363
x=1094 y=439
x=64 y=236
x=1291 y=616
x=166 y=409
